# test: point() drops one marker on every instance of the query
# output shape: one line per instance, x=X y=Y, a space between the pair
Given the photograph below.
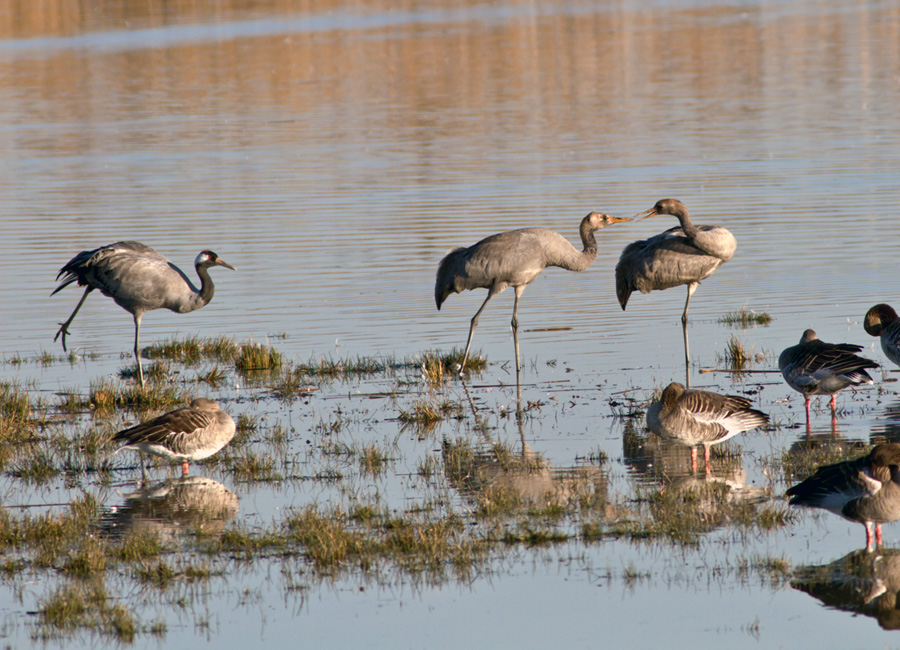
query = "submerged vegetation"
x=470 y=499
x=745 y=318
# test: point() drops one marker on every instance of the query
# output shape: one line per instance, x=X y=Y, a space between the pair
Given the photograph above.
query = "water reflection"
x=174 y=508
x=861 y=582
x=887 y=428
x=665 y=468
x=497 y=475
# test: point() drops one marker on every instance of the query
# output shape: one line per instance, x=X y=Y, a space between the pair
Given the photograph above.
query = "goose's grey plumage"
x=814 y=367
x=882 y=321
x=191 y=433
x=139 y=280
x=514 y=258
x=701 y=417
x=865 y=490
x=685 y=254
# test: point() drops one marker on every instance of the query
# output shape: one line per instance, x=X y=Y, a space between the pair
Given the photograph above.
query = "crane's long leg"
x=137 y=348
x=515 y=327
x=691 y=288
x=64 y=327
x=472 y=330
x=687 y=356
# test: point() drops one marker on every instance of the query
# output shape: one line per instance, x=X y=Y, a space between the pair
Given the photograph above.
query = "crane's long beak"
x=221 y=262
x=646 y=214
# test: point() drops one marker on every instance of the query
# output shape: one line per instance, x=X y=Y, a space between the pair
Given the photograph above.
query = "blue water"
x=334 y=155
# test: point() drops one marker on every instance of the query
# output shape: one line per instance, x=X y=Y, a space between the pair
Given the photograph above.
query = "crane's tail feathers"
x=65 y=283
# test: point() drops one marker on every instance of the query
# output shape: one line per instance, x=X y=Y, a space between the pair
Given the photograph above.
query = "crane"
x=514 y=258
x=685 y=254
x=139 y=280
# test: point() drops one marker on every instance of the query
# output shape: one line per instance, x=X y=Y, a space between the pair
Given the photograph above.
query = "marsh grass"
x=215 y=377
x=85 y=605
x=745 y=318
x=18 y=420
x=333 y=539
x=192 y=350
x=438 y=367
x=256 y=356
x=71 y=401
x=252 y=466
x=104 y=396
x=328 y=367
x=245 y=427
x=373 y=459
x=735 y=355
x=427 y=412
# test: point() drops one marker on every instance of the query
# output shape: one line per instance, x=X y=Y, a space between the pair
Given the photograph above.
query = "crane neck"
x=684 y=218
x=581 y=260
x=207 y=289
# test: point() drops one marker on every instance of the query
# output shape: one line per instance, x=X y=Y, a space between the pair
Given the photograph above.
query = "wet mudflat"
x=333 y=153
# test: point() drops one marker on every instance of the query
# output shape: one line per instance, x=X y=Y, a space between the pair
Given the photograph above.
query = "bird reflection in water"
x=675 y=491
x=188 y=505
x=887 y=427
x=861 y=582
x=496 y=475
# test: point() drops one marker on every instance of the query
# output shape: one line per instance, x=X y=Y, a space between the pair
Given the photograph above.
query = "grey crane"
x=882 y=321
x=191 y=433
x=865 y=490
x=514 y=258
x=685 y=254
x=814 y=367
x=701 y=417
x=139 y=279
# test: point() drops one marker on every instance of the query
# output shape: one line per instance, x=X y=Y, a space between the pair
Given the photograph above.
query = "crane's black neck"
x=207 y=289
x=587 y=240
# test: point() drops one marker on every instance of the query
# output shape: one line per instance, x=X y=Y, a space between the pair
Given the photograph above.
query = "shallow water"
x=334 y=152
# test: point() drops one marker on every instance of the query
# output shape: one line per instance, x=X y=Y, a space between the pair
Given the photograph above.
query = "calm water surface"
x=334 y=152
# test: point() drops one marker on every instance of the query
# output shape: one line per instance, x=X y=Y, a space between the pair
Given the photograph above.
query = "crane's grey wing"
x=93 y=267
x=664 y=261
x=511 y=258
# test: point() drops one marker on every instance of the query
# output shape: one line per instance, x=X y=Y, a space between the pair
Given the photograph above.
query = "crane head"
x=673 y=207
x=209 y=258
x=598 y=220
